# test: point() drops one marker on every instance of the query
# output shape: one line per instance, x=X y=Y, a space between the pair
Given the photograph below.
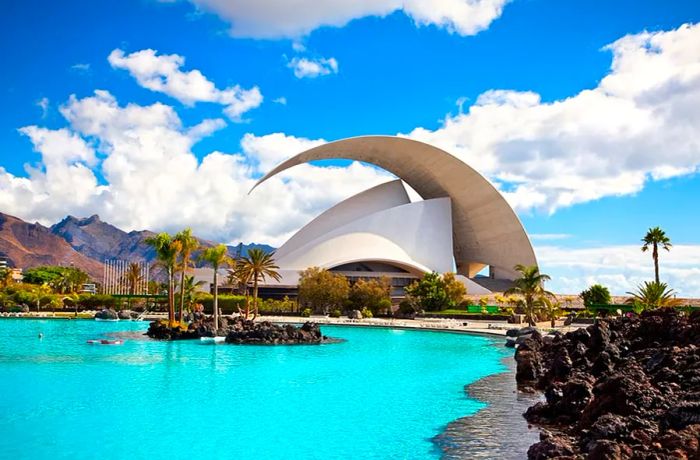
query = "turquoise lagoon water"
x=381 y=393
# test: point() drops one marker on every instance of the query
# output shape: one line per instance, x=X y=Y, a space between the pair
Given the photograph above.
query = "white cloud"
x=280 y=100
x=284 y=19
x=640 y=123
x=549 y=236
x=162 y=73
x=621 y=268
x=83 y=68
x=43 y=104
x=153 y=180
x=311 y=68
x=270 y=150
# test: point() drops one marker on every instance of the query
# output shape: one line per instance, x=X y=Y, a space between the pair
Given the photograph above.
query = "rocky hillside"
x=82 y=242
x=28 y=245
x=99 y=240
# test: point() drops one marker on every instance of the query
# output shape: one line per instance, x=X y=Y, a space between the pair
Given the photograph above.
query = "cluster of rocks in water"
x=110 y=314
x=627 y=388
x=239 y=330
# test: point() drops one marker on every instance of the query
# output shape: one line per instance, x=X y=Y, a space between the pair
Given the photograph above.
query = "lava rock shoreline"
x=627 y=388
x=241 y=331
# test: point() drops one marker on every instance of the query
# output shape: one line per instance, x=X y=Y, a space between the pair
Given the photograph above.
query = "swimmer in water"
x=41 y=335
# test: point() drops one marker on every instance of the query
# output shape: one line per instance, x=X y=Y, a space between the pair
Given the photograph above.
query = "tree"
x=551 y=307
x=434 y=292
x=61 y=279
x=216 y=257
x=188 y=244
x=654 y=238
x=133 y=277
x=597 y=294
x=5 y=277
x=167 y=250
x=651 y=294
x=239 y=277
x=455 y=289
x=322 y=290
x=69 y=280
x=258 y=265
x=529 y=288
x=188 y=290
x=373 y=294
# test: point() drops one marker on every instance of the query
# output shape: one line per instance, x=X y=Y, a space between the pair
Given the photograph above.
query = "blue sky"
x=393 y=71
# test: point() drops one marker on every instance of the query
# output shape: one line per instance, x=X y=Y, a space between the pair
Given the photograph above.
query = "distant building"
x=88 y=288
x=462 y=224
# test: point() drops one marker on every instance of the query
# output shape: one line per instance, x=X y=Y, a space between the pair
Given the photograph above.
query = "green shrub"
x=336 y=313
x=228 y=304
x=306 y=312
x=366 y=313
x=596 y=295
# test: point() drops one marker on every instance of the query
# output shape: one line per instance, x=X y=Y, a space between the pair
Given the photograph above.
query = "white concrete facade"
x=463 y=223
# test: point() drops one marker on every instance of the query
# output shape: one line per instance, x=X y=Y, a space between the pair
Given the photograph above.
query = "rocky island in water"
x=626 y=388
x=238 y=330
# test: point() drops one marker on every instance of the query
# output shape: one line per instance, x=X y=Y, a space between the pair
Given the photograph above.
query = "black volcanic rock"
x=241 y=331
x=624 y=388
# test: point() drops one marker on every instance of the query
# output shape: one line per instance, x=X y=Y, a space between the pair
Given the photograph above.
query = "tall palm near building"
x=188 y=244
x=239 y=277
x=654 y=238
x=167 y=250
x=529 y=287
x=216 y=257
x=256 y=266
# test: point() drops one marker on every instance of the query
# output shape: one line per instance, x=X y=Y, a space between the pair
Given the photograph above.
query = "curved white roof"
x=486 y=231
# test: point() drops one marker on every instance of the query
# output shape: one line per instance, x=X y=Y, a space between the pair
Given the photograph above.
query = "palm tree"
x=653 y=295
x=188 y=289
x=530 y=288
x=240 y=278
x=551 y=307
x=188 y=245
x=216 y=257
x=133 y=276
x=256 y=266
x=167 y=250
x=655 y=237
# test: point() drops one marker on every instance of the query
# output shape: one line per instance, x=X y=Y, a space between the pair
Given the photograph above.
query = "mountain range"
x=84 y=243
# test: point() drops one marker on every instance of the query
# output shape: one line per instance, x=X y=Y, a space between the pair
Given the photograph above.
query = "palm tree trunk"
x=182 y=289
x=247 y=303
x=655 y=254
x=216 y=302
x=171 y=297
x=255 y=297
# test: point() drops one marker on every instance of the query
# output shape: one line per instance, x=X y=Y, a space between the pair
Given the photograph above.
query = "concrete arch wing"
x=394 y=235
x=486 y=230
x=378 y=198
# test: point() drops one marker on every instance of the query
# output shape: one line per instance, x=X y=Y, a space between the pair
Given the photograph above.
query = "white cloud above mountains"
x=134 y=165
x=162 y=73
x=271 y=19
x=153 y=180
x=641 y=123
